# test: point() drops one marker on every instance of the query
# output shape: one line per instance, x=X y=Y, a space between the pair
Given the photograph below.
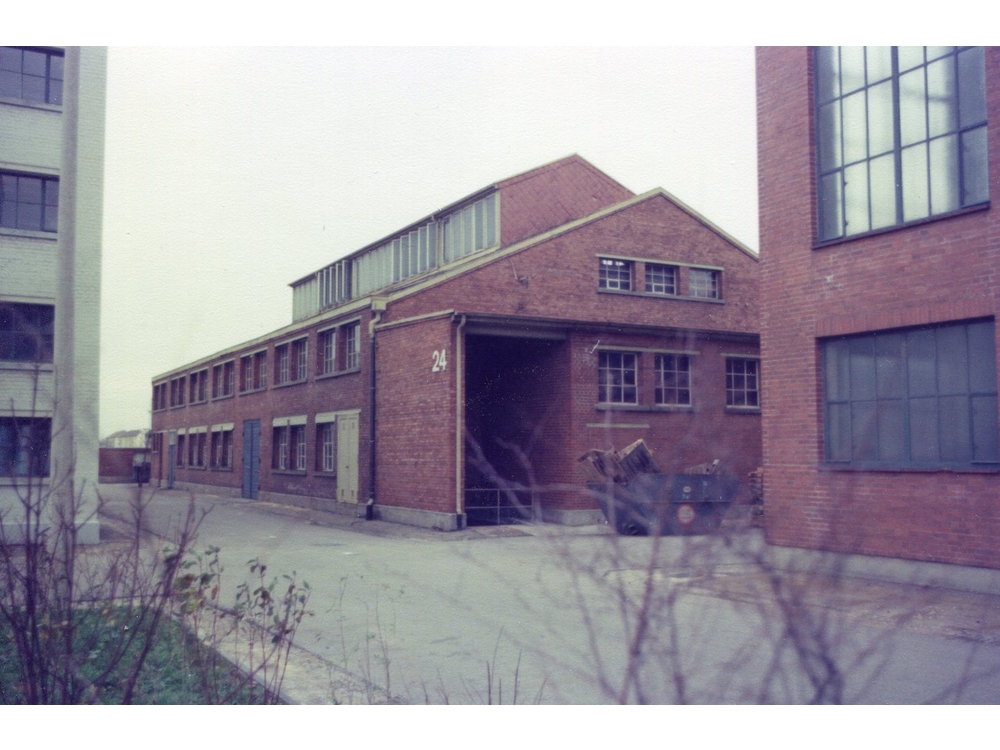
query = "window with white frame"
x=326 y=441
x=24 y=446
x=198 y=391
x=470 y=229
x=673 y=379
x=352 y=346
x=901 y=135
x=703 y=283
x=615 y=274
x=280 y=448
x=282 y=364
x=32 y=74
x=327 y=352
x=743 y=382
x=661 y=279
x=617 y=378
x=297 y=440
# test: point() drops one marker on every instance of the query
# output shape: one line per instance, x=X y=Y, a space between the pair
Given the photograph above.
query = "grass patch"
x=179 y=670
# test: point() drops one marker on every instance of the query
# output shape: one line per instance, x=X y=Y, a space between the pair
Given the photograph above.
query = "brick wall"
x=936 y=271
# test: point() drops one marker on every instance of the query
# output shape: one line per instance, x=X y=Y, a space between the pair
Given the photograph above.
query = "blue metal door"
x=251 y=458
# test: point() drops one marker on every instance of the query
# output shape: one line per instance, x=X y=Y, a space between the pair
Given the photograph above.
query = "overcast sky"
x=231 y=172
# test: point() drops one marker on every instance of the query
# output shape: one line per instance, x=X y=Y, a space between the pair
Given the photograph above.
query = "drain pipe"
x=459 y=421
x=378 y=307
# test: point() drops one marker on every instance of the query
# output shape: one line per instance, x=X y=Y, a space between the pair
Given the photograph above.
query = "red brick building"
x=490 y=344
x=879 y=251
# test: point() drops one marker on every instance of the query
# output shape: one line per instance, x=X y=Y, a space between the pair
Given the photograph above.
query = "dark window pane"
x=975 y=170
x=837 y=365
x=923 y=430
x=920 y=363
x=889 y=366
x=34 y=63
x=10 y=84
x=971 y=87
x=982 y=358
x=862 y=368
x=985 y=429
x=956 y=435
x=10 y=59
x=891 y=431
x=952 y=358
x=864 y=434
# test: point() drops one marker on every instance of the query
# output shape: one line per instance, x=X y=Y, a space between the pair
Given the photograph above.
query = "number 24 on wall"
x=440 y=361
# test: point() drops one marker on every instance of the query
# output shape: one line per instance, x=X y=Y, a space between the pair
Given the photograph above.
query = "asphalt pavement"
x=578 y=615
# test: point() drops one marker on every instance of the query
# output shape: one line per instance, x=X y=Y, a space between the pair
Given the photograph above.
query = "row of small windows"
x=29 y=202
x=197 y=450
x=620 y=275
x=291 y=365
x=466 y=231
x=31 y=74
x=27 y=332
x=618 y=380
x=901 y=135
x=201 y=448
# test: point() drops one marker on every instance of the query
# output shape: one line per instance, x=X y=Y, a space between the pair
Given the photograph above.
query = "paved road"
x=582 y=616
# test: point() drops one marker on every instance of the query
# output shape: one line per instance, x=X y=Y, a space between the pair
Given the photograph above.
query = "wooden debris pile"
x=618 y=466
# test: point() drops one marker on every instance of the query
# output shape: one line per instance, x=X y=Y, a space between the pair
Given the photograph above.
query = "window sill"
x=253 y=390
x=849 y=469
x=655 y=295
x=643 y=407
x=220 y=398
x=339 y=373
x=197 y=403
x=224 y=469
x=300 y=381
x=31 y=104
x=290 y=472
x=29 y=234
x=12 y=364
x=824 y=244
x=742 y=410
x=325 y=474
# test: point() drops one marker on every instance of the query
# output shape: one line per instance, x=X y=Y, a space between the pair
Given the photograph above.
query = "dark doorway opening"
x=516 y=392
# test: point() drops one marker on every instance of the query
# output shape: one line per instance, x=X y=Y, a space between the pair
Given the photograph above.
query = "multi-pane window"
x=298 y=447
x=222 y=449
x=253 y=371
x=617 y=383
x=26 y=332
x=159 y=396
x=246 y=373
x=34 y=75
x=673 y=379
x=223 y=379
x=24 y=446
x=918 y=397
x=198 y=391
x=282 y=364
x=615 y=274
x=299 y=359
x=326 y=440
x=328 y=352
x=280 y=449
x=742 y=382
x=470 y=229
x=661 y=279
x=29 y=202
x=352 y=346
x=177 y=391
x=901 y=134
x=703 y=283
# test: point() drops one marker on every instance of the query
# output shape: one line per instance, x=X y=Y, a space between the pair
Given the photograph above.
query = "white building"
x=51 y=204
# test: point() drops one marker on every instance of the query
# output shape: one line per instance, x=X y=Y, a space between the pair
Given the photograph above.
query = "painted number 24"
x=440 y=361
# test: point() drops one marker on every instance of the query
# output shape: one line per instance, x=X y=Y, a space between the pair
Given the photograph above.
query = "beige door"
x=347 y=458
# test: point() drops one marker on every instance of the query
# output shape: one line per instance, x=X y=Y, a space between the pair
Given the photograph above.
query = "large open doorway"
x=517 y=395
